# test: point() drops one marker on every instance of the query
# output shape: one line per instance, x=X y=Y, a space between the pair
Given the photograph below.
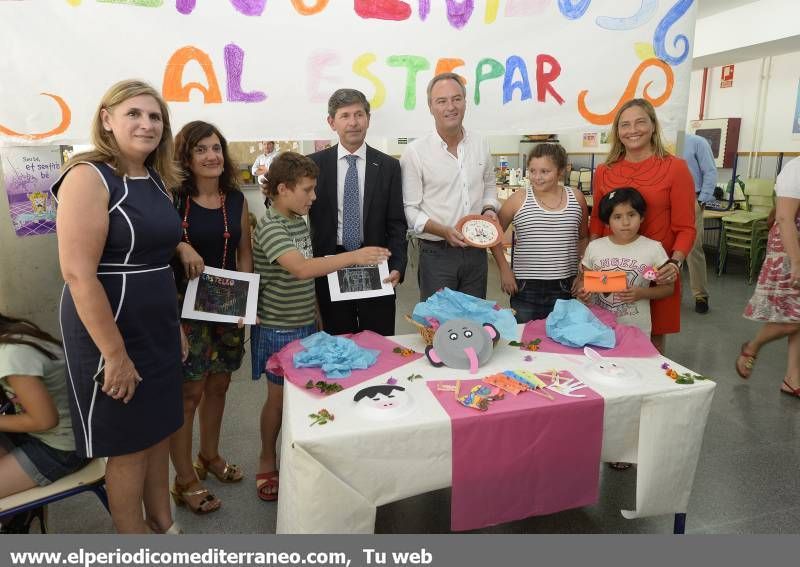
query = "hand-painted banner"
x=265 y=68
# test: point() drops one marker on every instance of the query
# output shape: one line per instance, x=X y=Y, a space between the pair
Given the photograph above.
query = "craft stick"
x=458 y=387
x=543 y=394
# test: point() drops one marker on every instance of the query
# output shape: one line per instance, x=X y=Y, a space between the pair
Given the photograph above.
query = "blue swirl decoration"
x=646 y=11
x=573 y=10
x=659 y=38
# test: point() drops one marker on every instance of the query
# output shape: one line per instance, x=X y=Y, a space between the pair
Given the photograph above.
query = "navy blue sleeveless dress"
x=143 y=230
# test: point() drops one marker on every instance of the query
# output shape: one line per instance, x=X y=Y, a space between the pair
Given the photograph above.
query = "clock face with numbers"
x=479 y=231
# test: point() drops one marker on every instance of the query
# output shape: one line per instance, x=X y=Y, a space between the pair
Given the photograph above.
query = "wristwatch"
x=488 y=208
x=678 y=263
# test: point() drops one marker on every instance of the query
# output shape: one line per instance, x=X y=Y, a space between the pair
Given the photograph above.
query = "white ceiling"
x=710 y=7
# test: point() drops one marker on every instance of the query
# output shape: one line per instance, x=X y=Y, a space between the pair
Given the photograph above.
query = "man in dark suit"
x=359 y=203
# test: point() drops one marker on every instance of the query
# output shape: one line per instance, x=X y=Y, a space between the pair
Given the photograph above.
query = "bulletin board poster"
x=266 y=68
x=28 y=173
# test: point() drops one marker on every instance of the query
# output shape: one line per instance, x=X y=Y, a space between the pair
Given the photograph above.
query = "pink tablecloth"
x=631 y=341
x=524 y=456
x=282 y=363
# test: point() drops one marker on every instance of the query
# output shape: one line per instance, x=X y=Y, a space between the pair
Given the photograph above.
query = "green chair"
x=745 y=234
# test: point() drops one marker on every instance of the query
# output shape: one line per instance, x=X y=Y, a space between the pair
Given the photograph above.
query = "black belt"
x=435 y=243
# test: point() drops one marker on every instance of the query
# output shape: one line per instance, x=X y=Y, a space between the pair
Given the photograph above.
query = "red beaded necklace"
x=226 y=235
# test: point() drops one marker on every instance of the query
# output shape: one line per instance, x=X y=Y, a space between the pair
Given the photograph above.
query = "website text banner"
x=477 y=550
x=265 y=68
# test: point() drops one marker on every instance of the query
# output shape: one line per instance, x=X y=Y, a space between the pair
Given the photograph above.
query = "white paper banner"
x=265 y=68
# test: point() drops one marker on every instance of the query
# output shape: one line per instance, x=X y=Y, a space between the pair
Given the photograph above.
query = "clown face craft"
x=460 y=343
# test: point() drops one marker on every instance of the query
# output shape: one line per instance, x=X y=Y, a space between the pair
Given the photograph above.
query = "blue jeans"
x=535 y=299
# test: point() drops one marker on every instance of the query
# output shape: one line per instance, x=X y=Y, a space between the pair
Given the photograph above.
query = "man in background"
x=261 y=165
x=700 y=159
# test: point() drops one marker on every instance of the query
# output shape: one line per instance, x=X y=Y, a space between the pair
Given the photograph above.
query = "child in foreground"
x=284 y=259
x=626 y=250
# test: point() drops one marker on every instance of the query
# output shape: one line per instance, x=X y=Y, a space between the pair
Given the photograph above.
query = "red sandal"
x=795 y=392
x=267 y=490
x=749 y=362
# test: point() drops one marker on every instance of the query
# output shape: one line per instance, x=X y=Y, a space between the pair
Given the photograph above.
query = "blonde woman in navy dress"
x=117 y=231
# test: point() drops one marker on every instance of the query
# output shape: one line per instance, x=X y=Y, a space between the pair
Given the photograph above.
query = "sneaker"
x=701 y=305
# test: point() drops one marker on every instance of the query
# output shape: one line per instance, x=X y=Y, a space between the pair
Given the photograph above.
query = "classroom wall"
x=30 y=278
x=764 y=95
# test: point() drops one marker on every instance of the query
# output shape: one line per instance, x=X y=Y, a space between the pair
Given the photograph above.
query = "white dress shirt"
x=440 y=186
x=341 y=171
x=263 y=160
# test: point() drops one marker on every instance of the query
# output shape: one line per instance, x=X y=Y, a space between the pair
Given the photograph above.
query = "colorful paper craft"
x=604 y=282
x=530 y=380
x=505 y=383
x=479 y=397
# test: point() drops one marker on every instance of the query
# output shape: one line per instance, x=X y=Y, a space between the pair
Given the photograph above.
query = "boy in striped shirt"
x=283 y=257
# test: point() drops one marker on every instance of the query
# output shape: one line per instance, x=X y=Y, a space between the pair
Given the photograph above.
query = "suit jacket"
x=384 y=222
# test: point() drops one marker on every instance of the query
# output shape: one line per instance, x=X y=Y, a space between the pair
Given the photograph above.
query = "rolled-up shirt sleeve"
x=411 y=169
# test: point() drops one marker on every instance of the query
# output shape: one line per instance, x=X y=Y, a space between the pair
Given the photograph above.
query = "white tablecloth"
x=332 y=477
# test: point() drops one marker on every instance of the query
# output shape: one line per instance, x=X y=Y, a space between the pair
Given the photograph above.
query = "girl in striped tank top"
x=551 y=234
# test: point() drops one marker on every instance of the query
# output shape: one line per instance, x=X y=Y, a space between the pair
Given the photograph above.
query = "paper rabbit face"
x=606 y=368
x=460 y=343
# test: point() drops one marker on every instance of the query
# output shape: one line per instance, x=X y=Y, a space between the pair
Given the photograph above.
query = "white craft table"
x=334 y=476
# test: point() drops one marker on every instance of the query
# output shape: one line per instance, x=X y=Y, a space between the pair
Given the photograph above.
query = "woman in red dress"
x=639 y=159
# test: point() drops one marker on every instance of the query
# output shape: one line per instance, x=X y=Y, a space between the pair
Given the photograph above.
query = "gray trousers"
x=460 y=269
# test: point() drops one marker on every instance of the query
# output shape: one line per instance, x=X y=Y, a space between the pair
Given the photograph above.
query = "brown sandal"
x=267 y=490
x=749 y=362
x=181 y=493
x=230 y=473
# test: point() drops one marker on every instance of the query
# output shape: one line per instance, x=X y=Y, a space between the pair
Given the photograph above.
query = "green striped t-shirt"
x=283 y=300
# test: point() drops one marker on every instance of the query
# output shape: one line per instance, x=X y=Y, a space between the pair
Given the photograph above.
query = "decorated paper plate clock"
x=480 y=231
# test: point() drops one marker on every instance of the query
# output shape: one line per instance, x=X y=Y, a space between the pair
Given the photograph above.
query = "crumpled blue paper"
x=571 y=323
x=337 y=356
x=447 y=304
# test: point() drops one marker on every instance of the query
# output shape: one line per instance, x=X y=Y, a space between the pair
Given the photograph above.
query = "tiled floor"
x=747 y=481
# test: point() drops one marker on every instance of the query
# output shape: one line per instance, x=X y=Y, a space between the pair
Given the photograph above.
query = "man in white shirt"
x=261 y=165
x=447 y=175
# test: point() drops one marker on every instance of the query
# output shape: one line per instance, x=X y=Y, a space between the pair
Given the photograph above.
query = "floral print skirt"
x=775 y=299
x=213 y=348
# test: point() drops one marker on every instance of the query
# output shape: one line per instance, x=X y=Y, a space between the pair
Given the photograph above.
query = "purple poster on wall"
x=28 y=173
